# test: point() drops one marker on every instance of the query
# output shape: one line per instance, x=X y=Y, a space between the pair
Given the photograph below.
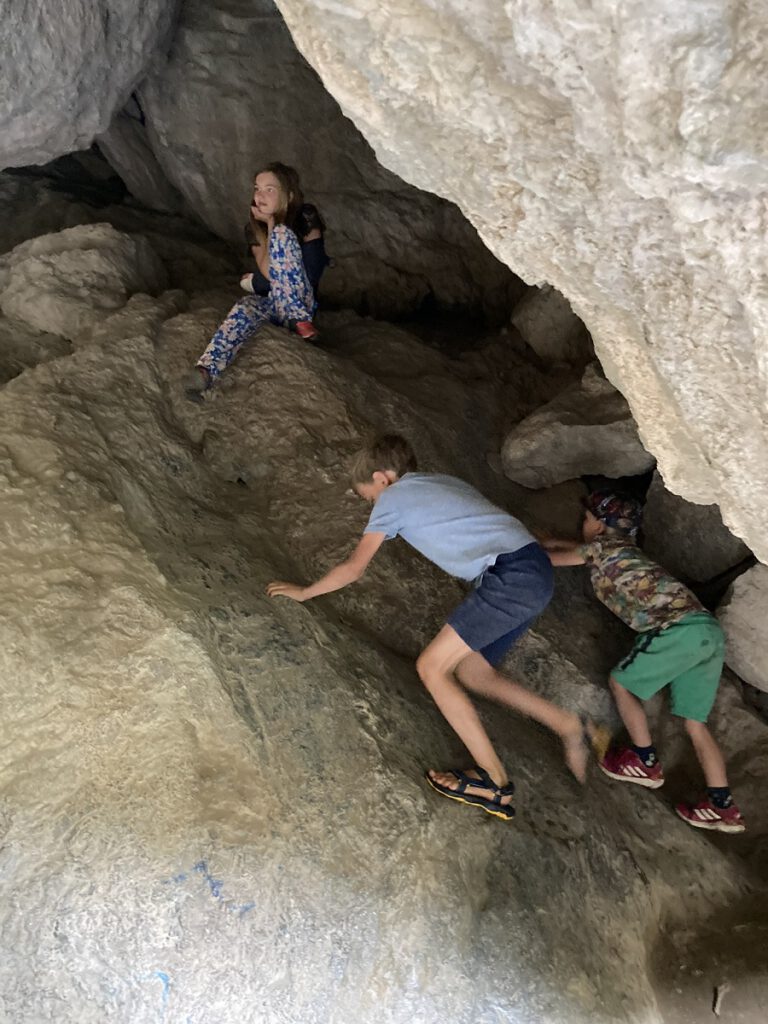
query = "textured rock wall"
x=211 y=804
x=65 y=69
x=617 y=152
x=744 y=617
x=234 y=94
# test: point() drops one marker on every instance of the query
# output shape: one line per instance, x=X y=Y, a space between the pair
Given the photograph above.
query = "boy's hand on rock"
x=280 y=589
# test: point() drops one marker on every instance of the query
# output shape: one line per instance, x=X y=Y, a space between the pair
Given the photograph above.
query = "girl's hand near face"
x=257 y=214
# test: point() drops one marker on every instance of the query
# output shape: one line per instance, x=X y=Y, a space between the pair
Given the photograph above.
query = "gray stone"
x=549 y=326
x=64 y=283
x=66 y=70
x=22 y=346
x=743 y=615
x=127 y=148
x=587 y=429
x=689 y=540
x=234 y=94
x=622 y=160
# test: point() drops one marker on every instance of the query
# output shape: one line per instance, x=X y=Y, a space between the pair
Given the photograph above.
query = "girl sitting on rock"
x=286 y=239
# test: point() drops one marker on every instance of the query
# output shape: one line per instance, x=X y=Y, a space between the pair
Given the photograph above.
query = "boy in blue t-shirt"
x=458 y=529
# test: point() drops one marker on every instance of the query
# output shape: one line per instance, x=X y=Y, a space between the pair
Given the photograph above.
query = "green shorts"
x=686 y=656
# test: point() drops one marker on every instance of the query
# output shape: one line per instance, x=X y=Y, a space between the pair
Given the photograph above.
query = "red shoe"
x=625 y=765
x=306 y=330
x=717 y=819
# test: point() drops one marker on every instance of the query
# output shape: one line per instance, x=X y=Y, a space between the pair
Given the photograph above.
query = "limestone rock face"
x=743 y=615
x=127 y=148
x=65 y=70
x=689 y=540
x=234 y=94
x=588 y=428
x=618 y=155
x=63 y=283
x=546 y=322
x=204 y=786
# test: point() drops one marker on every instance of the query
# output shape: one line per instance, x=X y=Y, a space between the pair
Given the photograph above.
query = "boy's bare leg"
x=437 y=667
x=477 y=675
x=632 y=715
x=708 y=753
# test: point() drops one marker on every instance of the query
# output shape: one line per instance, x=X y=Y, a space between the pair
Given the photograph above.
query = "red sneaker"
x=306 y=330
x=624 y=764
x=717 y=819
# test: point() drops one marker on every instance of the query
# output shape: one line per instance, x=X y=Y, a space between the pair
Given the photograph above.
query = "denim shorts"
x=512 y=593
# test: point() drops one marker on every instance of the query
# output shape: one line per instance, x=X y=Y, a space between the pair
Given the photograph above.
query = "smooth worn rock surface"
x=689 y=540
x=617 y=153
x=126 y=146
x=587 y=429
x=549 y=326
x=743 y=615
x=212 y=804
x=63 y=283
x=67 y=68
x=234 y=94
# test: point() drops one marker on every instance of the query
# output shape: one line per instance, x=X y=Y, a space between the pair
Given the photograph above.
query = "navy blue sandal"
x=491 y=805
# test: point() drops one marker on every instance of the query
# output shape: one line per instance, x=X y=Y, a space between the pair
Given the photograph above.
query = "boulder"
x=66 y=71
x=743 y=615
x=549 y=326
x=22 y=346
x=234 y=94
x=621 y=159
x=64 y=283
x=689 y=540
x=586 y=429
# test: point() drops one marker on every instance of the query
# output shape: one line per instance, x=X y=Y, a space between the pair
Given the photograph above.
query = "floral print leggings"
x=290 y=298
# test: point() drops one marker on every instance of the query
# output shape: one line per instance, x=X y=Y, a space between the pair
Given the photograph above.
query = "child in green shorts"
x=680 y=645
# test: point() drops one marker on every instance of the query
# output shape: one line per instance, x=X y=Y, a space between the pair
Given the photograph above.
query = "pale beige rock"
x=743 y=615
x=586 y=429
x=617 y=153
x=64 y=283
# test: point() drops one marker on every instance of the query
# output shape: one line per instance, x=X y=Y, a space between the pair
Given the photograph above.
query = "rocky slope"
x=211 y=804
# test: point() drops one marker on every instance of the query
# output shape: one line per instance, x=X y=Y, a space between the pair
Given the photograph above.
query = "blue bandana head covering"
x=617 y=511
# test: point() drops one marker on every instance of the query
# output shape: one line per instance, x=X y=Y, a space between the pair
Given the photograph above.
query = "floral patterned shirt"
x=634 y=587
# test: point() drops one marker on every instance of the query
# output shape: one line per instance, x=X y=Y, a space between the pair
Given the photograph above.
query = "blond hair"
x=388 y=452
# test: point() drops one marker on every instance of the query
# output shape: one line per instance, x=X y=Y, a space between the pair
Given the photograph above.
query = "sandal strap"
x=484 y=781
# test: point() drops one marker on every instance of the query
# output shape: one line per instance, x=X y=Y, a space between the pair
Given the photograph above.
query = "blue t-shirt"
x=449 y=522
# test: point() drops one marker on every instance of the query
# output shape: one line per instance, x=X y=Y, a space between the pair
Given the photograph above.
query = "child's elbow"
x=354 y=571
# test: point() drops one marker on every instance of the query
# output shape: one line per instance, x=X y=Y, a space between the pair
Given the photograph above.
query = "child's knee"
x=425 y=667
x=694 y=728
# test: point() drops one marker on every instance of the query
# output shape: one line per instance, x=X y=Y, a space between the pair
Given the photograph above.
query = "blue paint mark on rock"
x=214 y=884
x=166 y=985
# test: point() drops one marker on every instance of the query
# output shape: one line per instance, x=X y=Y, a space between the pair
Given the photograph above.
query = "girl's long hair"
x=291 y=200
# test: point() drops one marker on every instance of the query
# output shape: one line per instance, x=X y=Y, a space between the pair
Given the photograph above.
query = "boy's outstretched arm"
x=563 y=552
x=346 y=572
